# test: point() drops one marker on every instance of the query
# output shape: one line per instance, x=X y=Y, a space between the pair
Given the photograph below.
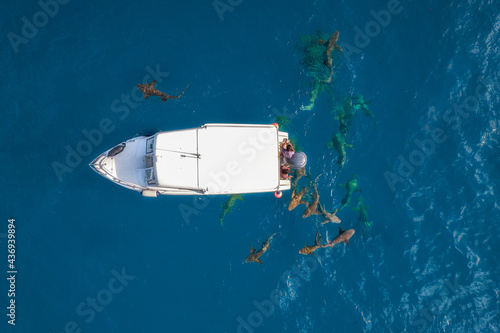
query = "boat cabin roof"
x=219 y=158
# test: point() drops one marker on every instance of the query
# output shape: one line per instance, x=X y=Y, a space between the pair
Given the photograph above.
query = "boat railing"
x=96 y=165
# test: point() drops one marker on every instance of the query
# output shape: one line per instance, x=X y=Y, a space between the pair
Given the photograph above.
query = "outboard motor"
x=298 y=160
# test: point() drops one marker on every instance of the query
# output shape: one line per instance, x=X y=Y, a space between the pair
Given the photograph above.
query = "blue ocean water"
x=94 y=257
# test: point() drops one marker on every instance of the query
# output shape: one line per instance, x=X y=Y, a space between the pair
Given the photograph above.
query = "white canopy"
x=219 y=158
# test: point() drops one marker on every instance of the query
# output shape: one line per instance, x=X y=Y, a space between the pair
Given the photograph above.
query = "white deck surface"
x=126 y=165
x=233 y=158
x=176 y=163
x=238 y=159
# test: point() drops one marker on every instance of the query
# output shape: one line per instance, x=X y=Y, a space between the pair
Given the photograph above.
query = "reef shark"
x=351 y=187
x=310 y=249
x=339 y=144
x=343 y=236
x=330 y=46
x=149 y=90
x=358 y=102
x=255 y=255
x=297 y=198
x=363 y=214
x=329 y=217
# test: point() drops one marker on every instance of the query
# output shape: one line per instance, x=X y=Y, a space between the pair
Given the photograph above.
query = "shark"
x=228 y=205
x=150 y=90
x=310 y=249
x=329 y=217
x=339 y=144
x=330 y=46
x=358 y=102
x=363 y=214
x=351 y=187
x=298 y=174
x=255 y=255
x=345 y=115
x=311 y=207
x=343 y=236
x=297 y=198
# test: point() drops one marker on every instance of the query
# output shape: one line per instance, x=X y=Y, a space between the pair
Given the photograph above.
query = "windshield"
x=150 y=145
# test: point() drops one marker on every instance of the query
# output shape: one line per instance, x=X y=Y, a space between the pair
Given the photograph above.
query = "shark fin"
x=251 y=249
x=163 y=99
x=146 y=96
x=325 y=221
x=341 y=230
x=258 y=260
x=152 y=84
x=346 y=242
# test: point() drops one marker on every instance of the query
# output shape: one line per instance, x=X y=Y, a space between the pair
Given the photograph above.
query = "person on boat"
x=285 y=172
x=287 y=149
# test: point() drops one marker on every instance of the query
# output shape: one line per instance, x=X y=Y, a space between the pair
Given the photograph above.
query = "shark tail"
x=321 y=210
x=180 y=93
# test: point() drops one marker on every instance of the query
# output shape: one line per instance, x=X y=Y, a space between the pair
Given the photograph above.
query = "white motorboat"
x=208 y=160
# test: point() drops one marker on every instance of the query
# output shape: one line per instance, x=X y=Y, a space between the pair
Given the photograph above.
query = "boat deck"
x=211 y=159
